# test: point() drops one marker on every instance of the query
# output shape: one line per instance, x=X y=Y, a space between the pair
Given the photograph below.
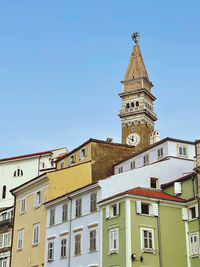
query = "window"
x=36 y=233
x=154 y=183
x=133 y=165
x=50 y=254
x=77 y=242
x=62 y=164
x=113 y=210
x=4 y=192
x=37 y=199
x=20 y=239
x=71 y=159
x=18 y=173
x=182 y=150
x=63 y=247
x=23 y=206
x=145 y=208
x=132 y=104
x=194 y=244
x=137 y=103
x=146 y=159
x=113 y=240
x=147 y=239
x=93 y=238
x=192 y=213
x=5 y=240
x=127 y=105
x=160 y=152
x=78 y=207
x=52 y=217
x=82 y=153
x=93 y=201
x=65 y=212
x=3 y=263
x=120 y=169
x=4 y=216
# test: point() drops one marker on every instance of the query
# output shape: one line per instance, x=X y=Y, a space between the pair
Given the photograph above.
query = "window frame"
x=62 y=164
x=52 y=213
x=133 y=165
x=120 y=169
x=20 y=239
x=36 y=227
x=65 y=207
x=112 y=248
x=50 y=250
x=92 y=240
x=157 y=182
x=63 y=247
x=93 y=202
x=22 y=211
x=160 y=155
x=183 y=147
x=194 y=253
x=72 y=159
x=78 y=206
x=142 y=238
x=146 y=159
x=77 y=250
x=83 y=153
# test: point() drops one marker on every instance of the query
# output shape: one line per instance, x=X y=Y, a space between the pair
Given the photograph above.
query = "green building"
x=145 y=227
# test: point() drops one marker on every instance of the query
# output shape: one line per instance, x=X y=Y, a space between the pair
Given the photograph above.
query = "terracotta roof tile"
x=154 y=194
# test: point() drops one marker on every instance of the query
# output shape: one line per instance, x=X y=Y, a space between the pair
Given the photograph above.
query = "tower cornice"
x=143 y=90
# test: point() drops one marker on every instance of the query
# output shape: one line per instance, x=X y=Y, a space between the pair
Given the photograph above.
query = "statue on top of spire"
x=135 y=37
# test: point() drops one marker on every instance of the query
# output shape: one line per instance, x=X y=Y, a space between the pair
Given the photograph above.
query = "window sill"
x=35 y=245
x=90 y=252
x=21 y=213
x=195 y=256
x=50 y=260
x=19 y=249
x=193 y=219
x=113 y=252
x=151 y=251
x=112 y=217
x=63 y=257
x=76 y=255
x=37 y=206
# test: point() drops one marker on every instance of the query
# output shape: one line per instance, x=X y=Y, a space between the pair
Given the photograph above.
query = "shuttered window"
x=52 y=217
x=65 y=212
x=77 y=248
x=93 y=237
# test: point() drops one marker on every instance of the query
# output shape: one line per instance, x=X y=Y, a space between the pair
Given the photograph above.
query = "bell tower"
x=136 y=114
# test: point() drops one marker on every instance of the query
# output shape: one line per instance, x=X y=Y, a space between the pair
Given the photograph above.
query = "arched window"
x=132 y=104
x=4 y=192
x=127 y=105
x=18 y=173
x=137 y=103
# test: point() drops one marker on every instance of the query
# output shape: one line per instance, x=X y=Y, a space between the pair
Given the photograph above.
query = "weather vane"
x=135 y=37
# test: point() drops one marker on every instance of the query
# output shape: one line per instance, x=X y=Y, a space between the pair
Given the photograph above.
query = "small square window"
x=160 y=152
x=154 y=183
x=120 y=169
x=114 y=210
x=146 y=159
x=132 y=165
x=192 y=213
x=145 y=208
x=182 y=151
x=82 y=153
x=72 y=160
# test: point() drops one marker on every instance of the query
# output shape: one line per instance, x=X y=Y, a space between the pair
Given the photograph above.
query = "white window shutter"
x=184 y=214
x=177 y=188
x=155 y=209
x=107 y=212
x=138 y=207
x=69 y=161
x=80 y=155
x=197 y=210
x=118 y=210
x=85 y=151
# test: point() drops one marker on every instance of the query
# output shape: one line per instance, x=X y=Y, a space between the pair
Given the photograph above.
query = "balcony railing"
x=135 y=109
x=7 y=222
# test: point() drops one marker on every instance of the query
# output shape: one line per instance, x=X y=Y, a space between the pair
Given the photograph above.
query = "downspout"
x=70 y=230
x=197 y=184
x=159 y=237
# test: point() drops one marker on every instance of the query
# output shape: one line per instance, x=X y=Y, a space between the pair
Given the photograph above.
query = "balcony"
x=6 y=223
x=138 y=109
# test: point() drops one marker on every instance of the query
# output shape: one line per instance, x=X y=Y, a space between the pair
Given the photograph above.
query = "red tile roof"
x=154 y=194
x=29 y=155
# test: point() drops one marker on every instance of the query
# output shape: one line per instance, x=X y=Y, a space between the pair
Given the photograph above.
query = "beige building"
x=91 y=161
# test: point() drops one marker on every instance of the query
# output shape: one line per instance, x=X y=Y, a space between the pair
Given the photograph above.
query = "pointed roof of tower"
x=136 y=68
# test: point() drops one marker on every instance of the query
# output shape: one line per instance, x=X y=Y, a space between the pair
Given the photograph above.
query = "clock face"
x=133 y=139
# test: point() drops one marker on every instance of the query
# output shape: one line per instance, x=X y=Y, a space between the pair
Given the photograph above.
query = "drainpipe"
x=39 y=165
x=70 y=231
x=159 y=237
x=13 y=219
x=197 y=183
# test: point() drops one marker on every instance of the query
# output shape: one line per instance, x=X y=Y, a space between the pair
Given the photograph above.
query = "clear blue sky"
x=61 y=63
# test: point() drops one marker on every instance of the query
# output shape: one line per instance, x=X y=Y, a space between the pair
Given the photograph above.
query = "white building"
x=164 y=149
x=17 y=170
x=70 y=221
x=73 y=233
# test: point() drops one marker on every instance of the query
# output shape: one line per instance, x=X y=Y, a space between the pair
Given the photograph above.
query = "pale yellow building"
x=93 y=160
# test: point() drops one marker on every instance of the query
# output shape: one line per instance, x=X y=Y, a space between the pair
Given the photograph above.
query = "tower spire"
x=137 y=115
